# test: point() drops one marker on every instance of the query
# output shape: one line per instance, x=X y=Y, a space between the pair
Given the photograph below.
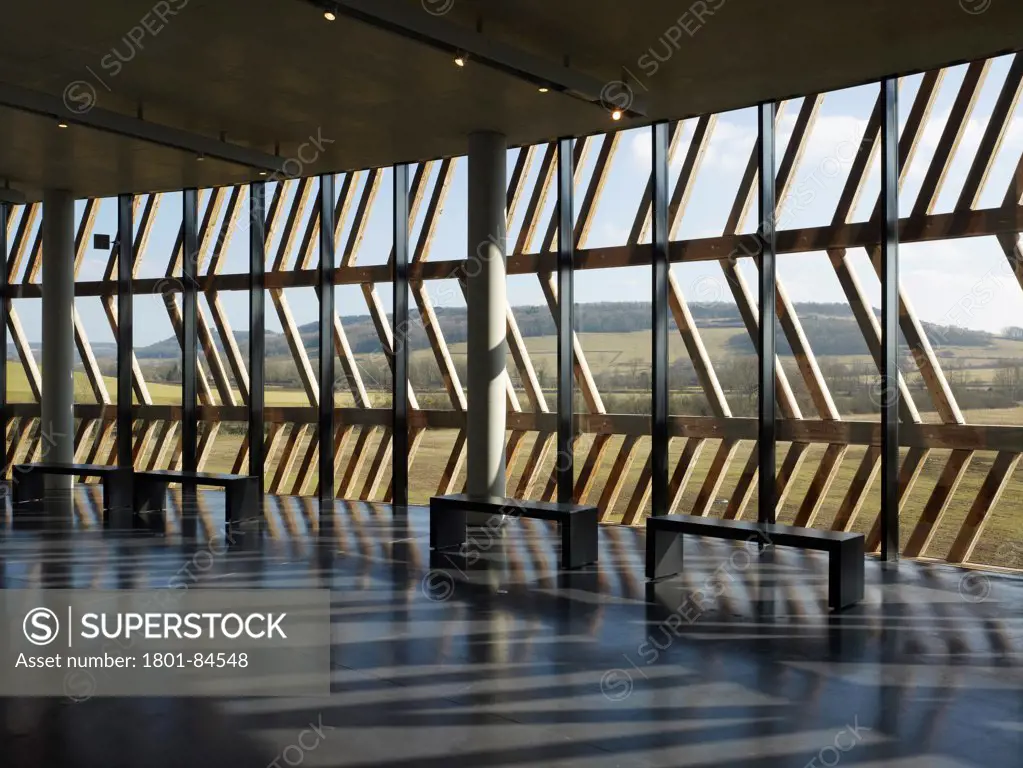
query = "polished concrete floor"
x=499 y=659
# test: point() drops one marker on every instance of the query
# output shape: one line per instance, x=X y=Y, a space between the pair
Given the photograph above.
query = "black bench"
x=241 y=492
x=578 y=522
x=29 y=486
x=845 y=550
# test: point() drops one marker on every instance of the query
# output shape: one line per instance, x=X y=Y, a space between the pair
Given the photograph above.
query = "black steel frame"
x=125 y=320
x=5 y=213
x=768 y=315
x=399 y=366
x=257 y=330
x=565 y=463
x=325 y=291
x=659 y=304
x=189 y=329
x=889 y=320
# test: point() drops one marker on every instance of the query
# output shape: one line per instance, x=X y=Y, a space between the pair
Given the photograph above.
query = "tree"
x=1008 y=379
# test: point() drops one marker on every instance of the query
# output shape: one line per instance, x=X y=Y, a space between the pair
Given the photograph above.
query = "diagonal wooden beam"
x=909 y=472
x=865 y=317
x=746 y=305
x=235 y=359
x=683 y=472
x=640 y=495
x=994 y=136
x=852 y=502
x=988 y=496
x=937 y=503
x=820 y=485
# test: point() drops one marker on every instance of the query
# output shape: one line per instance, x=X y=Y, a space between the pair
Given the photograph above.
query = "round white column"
x=487 y=301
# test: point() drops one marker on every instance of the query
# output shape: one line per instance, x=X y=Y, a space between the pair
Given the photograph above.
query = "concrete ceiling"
x=273 y=73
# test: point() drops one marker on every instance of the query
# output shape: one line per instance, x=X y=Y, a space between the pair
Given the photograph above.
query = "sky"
x=964 y=282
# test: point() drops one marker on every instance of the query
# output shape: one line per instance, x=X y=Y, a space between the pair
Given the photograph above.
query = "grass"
x=1001 y=542
x=608 y=350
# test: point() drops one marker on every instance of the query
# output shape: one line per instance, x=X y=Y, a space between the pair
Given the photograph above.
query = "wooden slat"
x=937 y=503
x=617 y=475
x=683 y=472
x=994 y=136
x=951 y=136
x=455 y=466
x=378 y=466
x=715 y=476
x=744 y=488
x=909 y=473
x=990 y=492
x=355 y=465
x=820 y=485
x=852 y=502
x=640 y=495
x=1006 y=219
x=587 y=475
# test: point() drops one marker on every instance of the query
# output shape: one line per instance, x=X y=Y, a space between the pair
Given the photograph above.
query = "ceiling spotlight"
x=461 y=58
x=61 y=124
x=616 y=114
x=200 y=157
x=543 y=89
x=328 y=13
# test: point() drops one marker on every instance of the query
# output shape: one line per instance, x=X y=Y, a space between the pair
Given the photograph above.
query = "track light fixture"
x=547 y=75
x=616 y=114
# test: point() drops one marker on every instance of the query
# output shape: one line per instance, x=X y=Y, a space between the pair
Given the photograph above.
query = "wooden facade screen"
x=827 y=462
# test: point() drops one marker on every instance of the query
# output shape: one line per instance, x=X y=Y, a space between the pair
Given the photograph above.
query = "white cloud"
x=730 y=146
x=641 y=148
x=965 y=282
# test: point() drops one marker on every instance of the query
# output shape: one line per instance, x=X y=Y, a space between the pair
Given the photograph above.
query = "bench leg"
x=663 y=553
x=189 y=509
x=118 y=513
x=845 y=575
x=243 y=516
x=150 y=495
x=27 y=487
x=240 y=501
x=447 y=528
x=579 y=540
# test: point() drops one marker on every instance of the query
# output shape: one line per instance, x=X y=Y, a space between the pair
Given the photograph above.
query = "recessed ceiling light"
x=200 y=157
x=460 y=59
x=543 y=89
x=262 y=173
x=329 y=15
x=616 y=114
x=61 y=124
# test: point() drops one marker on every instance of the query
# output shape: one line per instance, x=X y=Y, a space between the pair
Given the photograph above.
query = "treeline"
x=830 y=328
x=829 y=335
x=854 y=387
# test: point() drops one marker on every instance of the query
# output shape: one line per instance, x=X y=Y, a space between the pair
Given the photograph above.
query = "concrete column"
x=487 y=304
x=58 y=355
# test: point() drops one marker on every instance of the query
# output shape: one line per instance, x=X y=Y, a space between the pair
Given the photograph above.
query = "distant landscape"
x=983 y=370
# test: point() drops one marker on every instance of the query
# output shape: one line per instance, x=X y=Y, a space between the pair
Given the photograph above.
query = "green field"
x=607 y=350
x=969 y=369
